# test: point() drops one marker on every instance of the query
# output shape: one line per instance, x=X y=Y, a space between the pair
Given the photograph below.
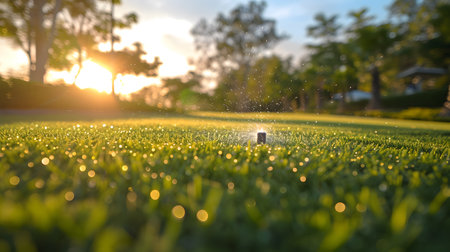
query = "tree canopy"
x=126 y=61
x=50 y=32
x=233 y=41
x=31 y=25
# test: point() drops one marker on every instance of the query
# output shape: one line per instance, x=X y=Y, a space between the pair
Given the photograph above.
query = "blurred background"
x=386 y=58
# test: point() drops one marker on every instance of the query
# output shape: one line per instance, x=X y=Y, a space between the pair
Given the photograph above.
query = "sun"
x=92 y=75
x=95 y=76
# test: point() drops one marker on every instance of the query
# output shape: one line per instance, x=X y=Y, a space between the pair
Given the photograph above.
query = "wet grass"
x=199 y=181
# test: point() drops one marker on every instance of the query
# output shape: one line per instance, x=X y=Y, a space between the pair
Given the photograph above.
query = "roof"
x=354 y=95
x=418 y=70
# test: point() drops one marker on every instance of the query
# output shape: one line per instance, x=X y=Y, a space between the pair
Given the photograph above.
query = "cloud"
x=167 y=38
x=175 y=44
x=13 y=60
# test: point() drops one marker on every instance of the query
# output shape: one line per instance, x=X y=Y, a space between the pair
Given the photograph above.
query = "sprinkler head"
x=261 y=138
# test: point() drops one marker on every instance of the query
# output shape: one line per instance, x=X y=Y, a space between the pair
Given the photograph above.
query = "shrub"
x=419 y=114
x=19 y=94
x=426 y=99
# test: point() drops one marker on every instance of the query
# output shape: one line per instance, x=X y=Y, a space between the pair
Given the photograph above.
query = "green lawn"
x=200 y=182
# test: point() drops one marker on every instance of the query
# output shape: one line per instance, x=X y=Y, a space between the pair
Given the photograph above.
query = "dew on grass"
x=202 y=215
x=91 y=173
x=69 y=196
x=383 y=187
x=131 y=196
x=14 y=180
x=178 y=211
x=321 y=155
x=361 y=208
x=39 y=183
x=339 y=207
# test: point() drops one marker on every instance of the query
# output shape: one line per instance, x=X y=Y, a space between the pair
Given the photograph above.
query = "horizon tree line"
x=234 y=51
x=59 y=34
x=365 y=54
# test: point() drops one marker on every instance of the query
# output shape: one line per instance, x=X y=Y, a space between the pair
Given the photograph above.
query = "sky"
x=164 y=30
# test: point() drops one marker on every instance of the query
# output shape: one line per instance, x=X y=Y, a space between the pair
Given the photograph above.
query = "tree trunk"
x=112 y=26
x=285 y=104
x=302 y=101
x=341 y=107
x=375 y=101
x=318 y=95
x=37 y=21
x=80 y=65
x=30 y=65
x=41 y=61
x=42 y=41
x=114 y=75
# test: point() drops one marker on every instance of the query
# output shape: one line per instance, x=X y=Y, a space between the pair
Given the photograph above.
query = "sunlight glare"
x=92 y=75
x=97 y=77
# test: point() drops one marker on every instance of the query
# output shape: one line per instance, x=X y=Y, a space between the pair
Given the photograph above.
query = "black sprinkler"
x=261 y=138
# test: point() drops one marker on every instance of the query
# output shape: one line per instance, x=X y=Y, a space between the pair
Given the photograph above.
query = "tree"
x=225 y=96
x=372 y=42
x=304 y=75
x=270 y=84
x=375 y=41
x=80 y=30
x=325 y=55
x=325 y=28
x=115 y=61
x=126 y=61
x=436 y=50
x=86 y=25
x=345 y=78
x=233 y=41
x=420 y=40
x=153 y=95
x=32 y=25
x=108 y=23
x=184 y=93
x=49 y=32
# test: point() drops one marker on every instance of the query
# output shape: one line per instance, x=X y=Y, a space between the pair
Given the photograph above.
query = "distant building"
x=417 y=75
x=352 y=96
